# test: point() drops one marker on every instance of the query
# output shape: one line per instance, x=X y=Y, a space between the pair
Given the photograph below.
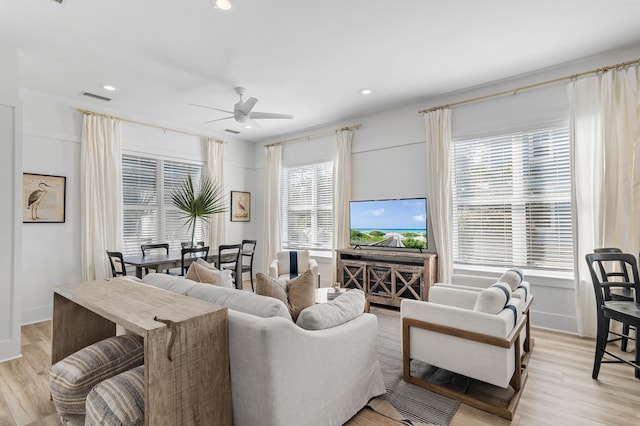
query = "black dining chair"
x=608 y=273
x=188 y=244
x=246 y=259
x=228 y=258
x=189 y=254
x=116 y=260
x=624 y=311
x=149 y=248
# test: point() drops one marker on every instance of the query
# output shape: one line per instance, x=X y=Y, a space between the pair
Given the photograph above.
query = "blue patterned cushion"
x=72 y=378
x=118 y=401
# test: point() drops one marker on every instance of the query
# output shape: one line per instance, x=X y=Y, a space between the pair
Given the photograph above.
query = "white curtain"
x=605 y=144
x=215 y=167
x=101 y=194
x=272 y=221
x=438 y=137
x=341 y=187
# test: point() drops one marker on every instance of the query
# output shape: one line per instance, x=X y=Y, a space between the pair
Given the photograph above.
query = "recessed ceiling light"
x=109 y=87
x=223 y=4
x=247 y=126
x=365 y=91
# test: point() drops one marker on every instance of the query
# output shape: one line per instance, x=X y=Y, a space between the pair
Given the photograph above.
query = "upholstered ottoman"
x=118 y=401
x=72 y=378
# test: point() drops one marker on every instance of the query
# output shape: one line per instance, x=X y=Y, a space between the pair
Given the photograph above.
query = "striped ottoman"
x=118 y=401
x=72 y=378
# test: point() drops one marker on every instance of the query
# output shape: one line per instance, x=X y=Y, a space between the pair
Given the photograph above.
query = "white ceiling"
x=303 y=57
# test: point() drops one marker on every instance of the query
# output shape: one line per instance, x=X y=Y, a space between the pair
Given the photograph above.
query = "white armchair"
x=447 y=332
x=290 y=263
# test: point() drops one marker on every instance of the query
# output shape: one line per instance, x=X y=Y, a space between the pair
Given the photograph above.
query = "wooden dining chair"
x=228 y=257
x=116 y=260
x=189 y=254
x=624 y=311
x=148 y=248
x=187 y=244
x=246 y=259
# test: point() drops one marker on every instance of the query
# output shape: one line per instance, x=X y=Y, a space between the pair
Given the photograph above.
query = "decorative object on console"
x=240 y=206
x=43 y=198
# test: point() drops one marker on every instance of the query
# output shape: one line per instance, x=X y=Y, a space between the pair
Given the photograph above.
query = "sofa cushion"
x=118 y=401
x=492 y=300
x=169 y=282
x=203 y=272
x=301 y=293
x=267 y=286
x=342 y=309
x=72 y=378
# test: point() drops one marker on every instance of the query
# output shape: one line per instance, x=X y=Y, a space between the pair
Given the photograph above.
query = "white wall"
x=10 y=213
x=389 y=156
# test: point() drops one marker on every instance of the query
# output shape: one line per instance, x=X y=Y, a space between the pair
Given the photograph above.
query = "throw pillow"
x=301 y=292
x=513 y=277
x=342 y=309
x=206 y=274
x=268 y=286
x=492 y=300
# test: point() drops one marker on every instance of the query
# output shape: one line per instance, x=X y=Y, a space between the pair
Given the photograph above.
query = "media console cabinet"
x=387 y=276
x=186 y=352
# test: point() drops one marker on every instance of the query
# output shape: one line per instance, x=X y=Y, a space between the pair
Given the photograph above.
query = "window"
x=307 y=206
x=149 y=216
x=512 y=200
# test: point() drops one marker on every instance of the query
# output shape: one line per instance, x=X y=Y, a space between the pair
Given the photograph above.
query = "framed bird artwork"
x=43 y=198
x=240 y=206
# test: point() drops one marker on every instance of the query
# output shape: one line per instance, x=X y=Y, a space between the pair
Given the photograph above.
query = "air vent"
x=235 y=132
x=94 y=96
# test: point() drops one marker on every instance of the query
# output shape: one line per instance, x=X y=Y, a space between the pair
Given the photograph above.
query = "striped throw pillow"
x=72 y=378
x=118 y=401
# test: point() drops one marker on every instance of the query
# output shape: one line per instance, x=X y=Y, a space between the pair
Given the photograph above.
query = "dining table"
x=162 y=261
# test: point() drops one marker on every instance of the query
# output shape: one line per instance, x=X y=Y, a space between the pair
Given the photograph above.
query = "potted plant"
x=198 y=202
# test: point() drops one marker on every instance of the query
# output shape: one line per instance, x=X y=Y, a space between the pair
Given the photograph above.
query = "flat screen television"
x=393 y=223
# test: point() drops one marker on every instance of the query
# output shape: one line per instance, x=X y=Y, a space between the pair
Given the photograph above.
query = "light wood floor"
x=559 y=390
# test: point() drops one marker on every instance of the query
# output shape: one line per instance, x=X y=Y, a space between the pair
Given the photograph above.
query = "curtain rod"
x=165 y=129
x=315 y=135
x=530 y=86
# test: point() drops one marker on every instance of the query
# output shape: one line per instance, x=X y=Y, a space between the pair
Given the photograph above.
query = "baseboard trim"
x=555 y=322
x=33 y=315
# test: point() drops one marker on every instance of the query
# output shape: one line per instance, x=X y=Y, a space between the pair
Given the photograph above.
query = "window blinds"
x=307 y=206
x=512 y=200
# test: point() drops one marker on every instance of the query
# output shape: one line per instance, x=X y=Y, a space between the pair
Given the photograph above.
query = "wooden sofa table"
x=186 y=351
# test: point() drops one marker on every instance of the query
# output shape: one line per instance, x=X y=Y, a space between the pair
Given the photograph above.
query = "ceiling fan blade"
x=268 y=115
x=215 y=109
x=217 y=119
x=247 y=106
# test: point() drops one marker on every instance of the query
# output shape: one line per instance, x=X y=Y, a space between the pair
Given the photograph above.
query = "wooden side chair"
x=246 y=259
x=188 y=254
x=116 y=260
x=228 y=257
x=625 y=311
x=148 y=248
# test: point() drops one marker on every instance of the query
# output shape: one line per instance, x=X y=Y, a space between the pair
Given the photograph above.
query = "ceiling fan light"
x=223 y=4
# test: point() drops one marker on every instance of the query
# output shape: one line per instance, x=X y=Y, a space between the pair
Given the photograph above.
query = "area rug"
x=410 y=404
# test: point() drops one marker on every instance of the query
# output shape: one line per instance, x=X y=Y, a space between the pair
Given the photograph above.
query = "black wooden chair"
x=148 y=248
x=624 y=311
x=187 y=244
x=116 y=260
x=190 y=254
x=246 y=259
x=609 y=274
x=228 y=258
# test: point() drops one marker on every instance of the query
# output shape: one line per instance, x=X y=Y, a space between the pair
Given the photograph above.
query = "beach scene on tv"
x=400 y=223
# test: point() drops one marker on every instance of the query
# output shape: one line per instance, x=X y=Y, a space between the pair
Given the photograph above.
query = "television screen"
x=399 y=223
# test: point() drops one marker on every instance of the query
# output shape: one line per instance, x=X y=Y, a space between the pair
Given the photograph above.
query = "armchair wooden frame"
x=518 y=379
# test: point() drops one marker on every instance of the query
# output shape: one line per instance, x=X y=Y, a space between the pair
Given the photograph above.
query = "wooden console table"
x=387 y=276
x=186 y=356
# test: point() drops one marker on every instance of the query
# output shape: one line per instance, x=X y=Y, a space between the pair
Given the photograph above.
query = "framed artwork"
x=240 y=206
x=43 y=198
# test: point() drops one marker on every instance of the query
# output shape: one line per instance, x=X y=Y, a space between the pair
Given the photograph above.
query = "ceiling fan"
x=242 y=110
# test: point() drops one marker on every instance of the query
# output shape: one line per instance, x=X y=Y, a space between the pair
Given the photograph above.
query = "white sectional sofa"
x=282 y=374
